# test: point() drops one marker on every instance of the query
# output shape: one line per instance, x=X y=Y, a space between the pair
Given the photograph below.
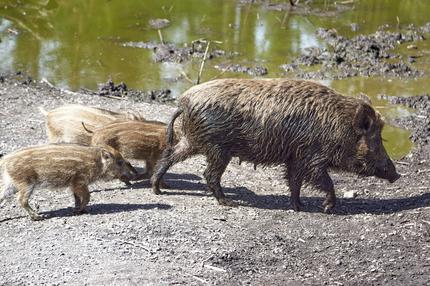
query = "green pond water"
x=78 y=44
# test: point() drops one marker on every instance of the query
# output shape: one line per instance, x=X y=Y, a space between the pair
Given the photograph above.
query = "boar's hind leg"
x=217 y=163
x=23 y=197
x=171 y=156
x=150 y=166
x=323 y=182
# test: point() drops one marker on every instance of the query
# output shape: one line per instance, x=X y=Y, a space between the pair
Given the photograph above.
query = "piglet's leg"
x=81 y=191
x=77 y=201
x=24 y=194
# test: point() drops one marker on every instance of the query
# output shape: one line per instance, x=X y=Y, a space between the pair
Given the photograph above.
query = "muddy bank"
x=294 y=7
x=306 y=8
x=250 y=70
x=197 y=49
x=108 y=89
x=363 y=55
x=418 y=122
x=120 y=91
x=169 y=52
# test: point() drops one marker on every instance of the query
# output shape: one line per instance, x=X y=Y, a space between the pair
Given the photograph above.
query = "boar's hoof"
x=297 y=205
x=227 y=202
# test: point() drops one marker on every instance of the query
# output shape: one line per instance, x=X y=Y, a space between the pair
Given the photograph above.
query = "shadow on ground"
x=171 y=179
x=96 y=209
x=345 y=206
x=12 y=218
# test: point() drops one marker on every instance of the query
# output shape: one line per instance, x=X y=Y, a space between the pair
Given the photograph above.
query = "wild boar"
x=302 y=125
x=60 y=166
x=64 y=124
x=134 y=140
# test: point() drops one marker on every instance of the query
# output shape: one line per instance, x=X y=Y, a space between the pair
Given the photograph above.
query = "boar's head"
x=369 y=157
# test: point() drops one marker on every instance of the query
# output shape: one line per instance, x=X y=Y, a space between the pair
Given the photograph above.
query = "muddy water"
x=79 y=43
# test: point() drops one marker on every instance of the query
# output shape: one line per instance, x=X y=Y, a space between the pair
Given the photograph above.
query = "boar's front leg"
x=322 y=181
x=217 y=163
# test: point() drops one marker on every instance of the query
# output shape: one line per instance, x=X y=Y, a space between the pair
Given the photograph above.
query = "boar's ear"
x=363 y=120
x=365 y=98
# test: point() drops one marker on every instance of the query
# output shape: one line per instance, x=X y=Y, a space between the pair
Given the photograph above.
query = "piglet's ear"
x=363 y=119
x=106 y=155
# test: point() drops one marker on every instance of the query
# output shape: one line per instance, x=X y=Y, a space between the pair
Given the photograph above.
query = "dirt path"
x=132 y=237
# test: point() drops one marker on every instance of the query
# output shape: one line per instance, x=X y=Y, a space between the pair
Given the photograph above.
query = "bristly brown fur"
x=303 y=125
x=60 y=166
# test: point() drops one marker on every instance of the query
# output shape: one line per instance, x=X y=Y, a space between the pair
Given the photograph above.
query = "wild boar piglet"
x=64 y=124
x=134 y=140
x=57 y=166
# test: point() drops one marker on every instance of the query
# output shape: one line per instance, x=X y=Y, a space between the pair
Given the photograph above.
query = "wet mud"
x=169 y=52
x=121 y=91
x=419 y=121
x=253 y=70
x=362 y=55
x=304 y=8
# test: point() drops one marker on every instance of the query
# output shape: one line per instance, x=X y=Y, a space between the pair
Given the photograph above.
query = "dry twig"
x=203 y=62
x=214 y=268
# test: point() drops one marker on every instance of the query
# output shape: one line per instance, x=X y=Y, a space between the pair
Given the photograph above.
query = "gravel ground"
x=379 y=233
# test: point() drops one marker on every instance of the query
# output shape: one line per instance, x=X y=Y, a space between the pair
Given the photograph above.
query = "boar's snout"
x=387 y=171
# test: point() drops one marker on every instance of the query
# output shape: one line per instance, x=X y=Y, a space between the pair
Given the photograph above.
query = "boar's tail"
x=86 y=129
x=43 y=111
x=170 y=127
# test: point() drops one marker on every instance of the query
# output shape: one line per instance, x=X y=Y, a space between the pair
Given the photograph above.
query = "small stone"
x=411 y=47
x=350 y=194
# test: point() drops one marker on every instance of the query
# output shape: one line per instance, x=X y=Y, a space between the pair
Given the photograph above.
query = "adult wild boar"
x=305 y=126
